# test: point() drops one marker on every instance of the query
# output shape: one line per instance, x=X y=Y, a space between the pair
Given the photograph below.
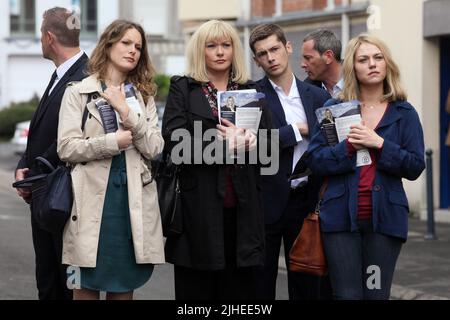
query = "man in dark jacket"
x=60 y=45
x=286 y=203
x=321 y=51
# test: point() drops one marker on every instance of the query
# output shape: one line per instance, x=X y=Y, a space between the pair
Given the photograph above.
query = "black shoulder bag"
x=167 y=177
x=51 y=191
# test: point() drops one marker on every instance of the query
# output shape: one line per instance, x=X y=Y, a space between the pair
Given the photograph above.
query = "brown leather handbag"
x=306 y=254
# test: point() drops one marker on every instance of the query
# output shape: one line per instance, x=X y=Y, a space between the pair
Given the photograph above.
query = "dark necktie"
x=40 y=108
x=50 y=85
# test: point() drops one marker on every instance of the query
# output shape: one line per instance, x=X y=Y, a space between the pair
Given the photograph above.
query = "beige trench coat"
x=91 y=154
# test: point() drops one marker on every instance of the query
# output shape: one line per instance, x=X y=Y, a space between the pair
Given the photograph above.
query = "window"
x=22 y=17
x=88 y=15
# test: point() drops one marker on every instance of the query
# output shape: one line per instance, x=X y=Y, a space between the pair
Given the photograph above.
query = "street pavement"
x=422 y=271
x=17 y=281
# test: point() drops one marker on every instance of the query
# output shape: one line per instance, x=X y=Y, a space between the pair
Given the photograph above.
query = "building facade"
x=416 y=31
x=23 y=71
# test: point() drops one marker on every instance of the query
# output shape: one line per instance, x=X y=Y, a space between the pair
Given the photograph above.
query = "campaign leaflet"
x=335 y=122
x=241 y=107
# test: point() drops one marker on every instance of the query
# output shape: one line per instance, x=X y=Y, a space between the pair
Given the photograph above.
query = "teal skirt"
x=116 y=270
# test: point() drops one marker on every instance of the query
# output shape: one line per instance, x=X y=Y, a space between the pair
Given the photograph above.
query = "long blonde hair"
x=393 y=90
x=142 y=76
x=213 y=30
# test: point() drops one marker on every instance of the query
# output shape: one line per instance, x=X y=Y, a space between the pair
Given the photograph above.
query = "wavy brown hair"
x=142 y=76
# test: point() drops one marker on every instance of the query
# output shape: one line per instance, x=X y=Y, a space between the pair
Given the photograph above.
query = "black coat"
x=44 y=124
x=201 y=245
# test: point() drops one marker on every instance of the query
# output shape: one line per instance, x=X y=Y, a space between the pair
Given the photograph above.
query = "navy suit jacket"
x=44 y=124
x=276 y=188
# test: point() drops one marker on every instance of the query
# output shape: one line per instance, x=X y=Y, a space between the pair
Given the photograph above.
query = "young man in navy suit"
x=286 y=203
x=60 y=44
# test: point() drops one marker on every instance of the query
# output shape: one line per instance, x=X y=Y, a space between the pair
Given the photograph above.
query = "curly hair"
x=142 y=76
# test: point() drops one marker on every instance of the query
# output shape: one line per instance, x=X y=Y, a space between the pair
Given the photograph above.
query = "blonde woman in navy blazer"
x=364 y=212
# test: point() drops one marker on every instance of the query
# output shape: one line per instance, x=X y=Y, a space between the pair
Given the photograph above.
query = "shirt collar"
x=293 y=92
x=340 y=84
x=63 y=68
x=338 y=87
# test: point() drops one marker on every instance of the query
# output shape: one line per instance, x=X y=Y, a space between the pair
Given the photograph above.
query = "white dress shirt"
x=295 y=113
x=63 y=68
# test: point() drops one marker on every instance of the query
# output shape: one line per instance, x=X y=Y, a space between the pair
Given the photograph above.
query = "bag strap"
x=323 y=188
x=86 y=112
x=46 y=163
x=185 y=86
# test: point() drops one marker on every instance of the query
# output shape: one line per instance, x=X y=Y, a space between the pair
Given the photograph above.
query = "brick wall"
x=263 y=8
x=303 y=5
x=297 y=5
x=266 y=8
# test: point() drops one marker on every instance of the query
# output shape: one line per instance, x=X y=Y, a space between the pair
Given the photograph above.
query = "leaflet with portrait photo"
x=335 y=122
x=241 y=107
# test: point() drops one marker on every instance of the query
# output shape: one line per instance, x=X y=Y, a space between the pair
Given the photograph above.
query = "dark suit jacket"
x=44 y=124
x=315 y=83
x=276 y=188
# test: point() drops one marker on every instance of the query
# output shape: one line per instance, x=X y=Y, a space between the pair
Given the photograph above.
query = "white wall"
x=23 y=71
x=175 y=65
x=42 y=5
x=4 y=19
x=108 y=11
x=418 y=60
x=208 y=9
x=23 y=84
x=153 y=15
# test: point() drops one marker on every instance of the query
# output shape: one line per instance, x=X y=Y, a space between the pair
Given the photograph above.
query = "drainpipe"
x=278 y=8
x=246 y=15
x=330 y=5
x=345 y=28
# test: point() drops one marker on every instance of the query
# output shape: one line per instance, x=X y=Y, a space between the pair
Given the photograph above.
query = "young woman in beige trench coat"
x=114 y=233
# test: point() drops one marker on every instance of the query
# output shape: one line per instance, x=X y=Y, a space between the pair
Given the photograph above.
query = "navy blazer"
x=44 y=124
x=402 y=156
x=276 y=188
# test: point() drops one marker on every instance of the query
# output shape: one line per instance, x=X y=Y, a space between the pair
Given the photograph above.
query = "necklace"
x=368 y=107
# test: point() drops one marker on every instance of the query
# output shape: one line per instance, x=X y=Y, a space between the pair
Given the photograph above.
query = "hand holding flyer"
x=335 y=122
x=241 y=107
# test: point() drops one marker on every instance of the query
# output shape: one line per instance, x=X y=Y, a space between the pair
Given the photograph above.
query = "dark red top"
x=366 y=179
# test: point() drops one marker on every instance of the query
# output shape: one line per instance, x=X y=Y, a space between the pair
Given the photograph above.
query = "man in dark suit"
x=321 y=51
x=60 y=45
x=286 y=203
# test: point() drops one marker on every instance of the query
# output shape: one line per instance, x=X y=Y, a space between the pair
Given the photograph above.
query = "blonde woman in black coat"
x=223 y=227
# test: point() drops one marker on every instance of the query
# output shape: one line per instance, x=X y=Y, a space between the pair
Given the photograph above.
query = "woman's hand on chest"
x=116 y=98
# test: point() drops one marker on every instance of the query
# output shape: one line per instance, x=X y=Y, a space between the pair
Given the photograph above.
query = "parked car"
x=19 y=141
